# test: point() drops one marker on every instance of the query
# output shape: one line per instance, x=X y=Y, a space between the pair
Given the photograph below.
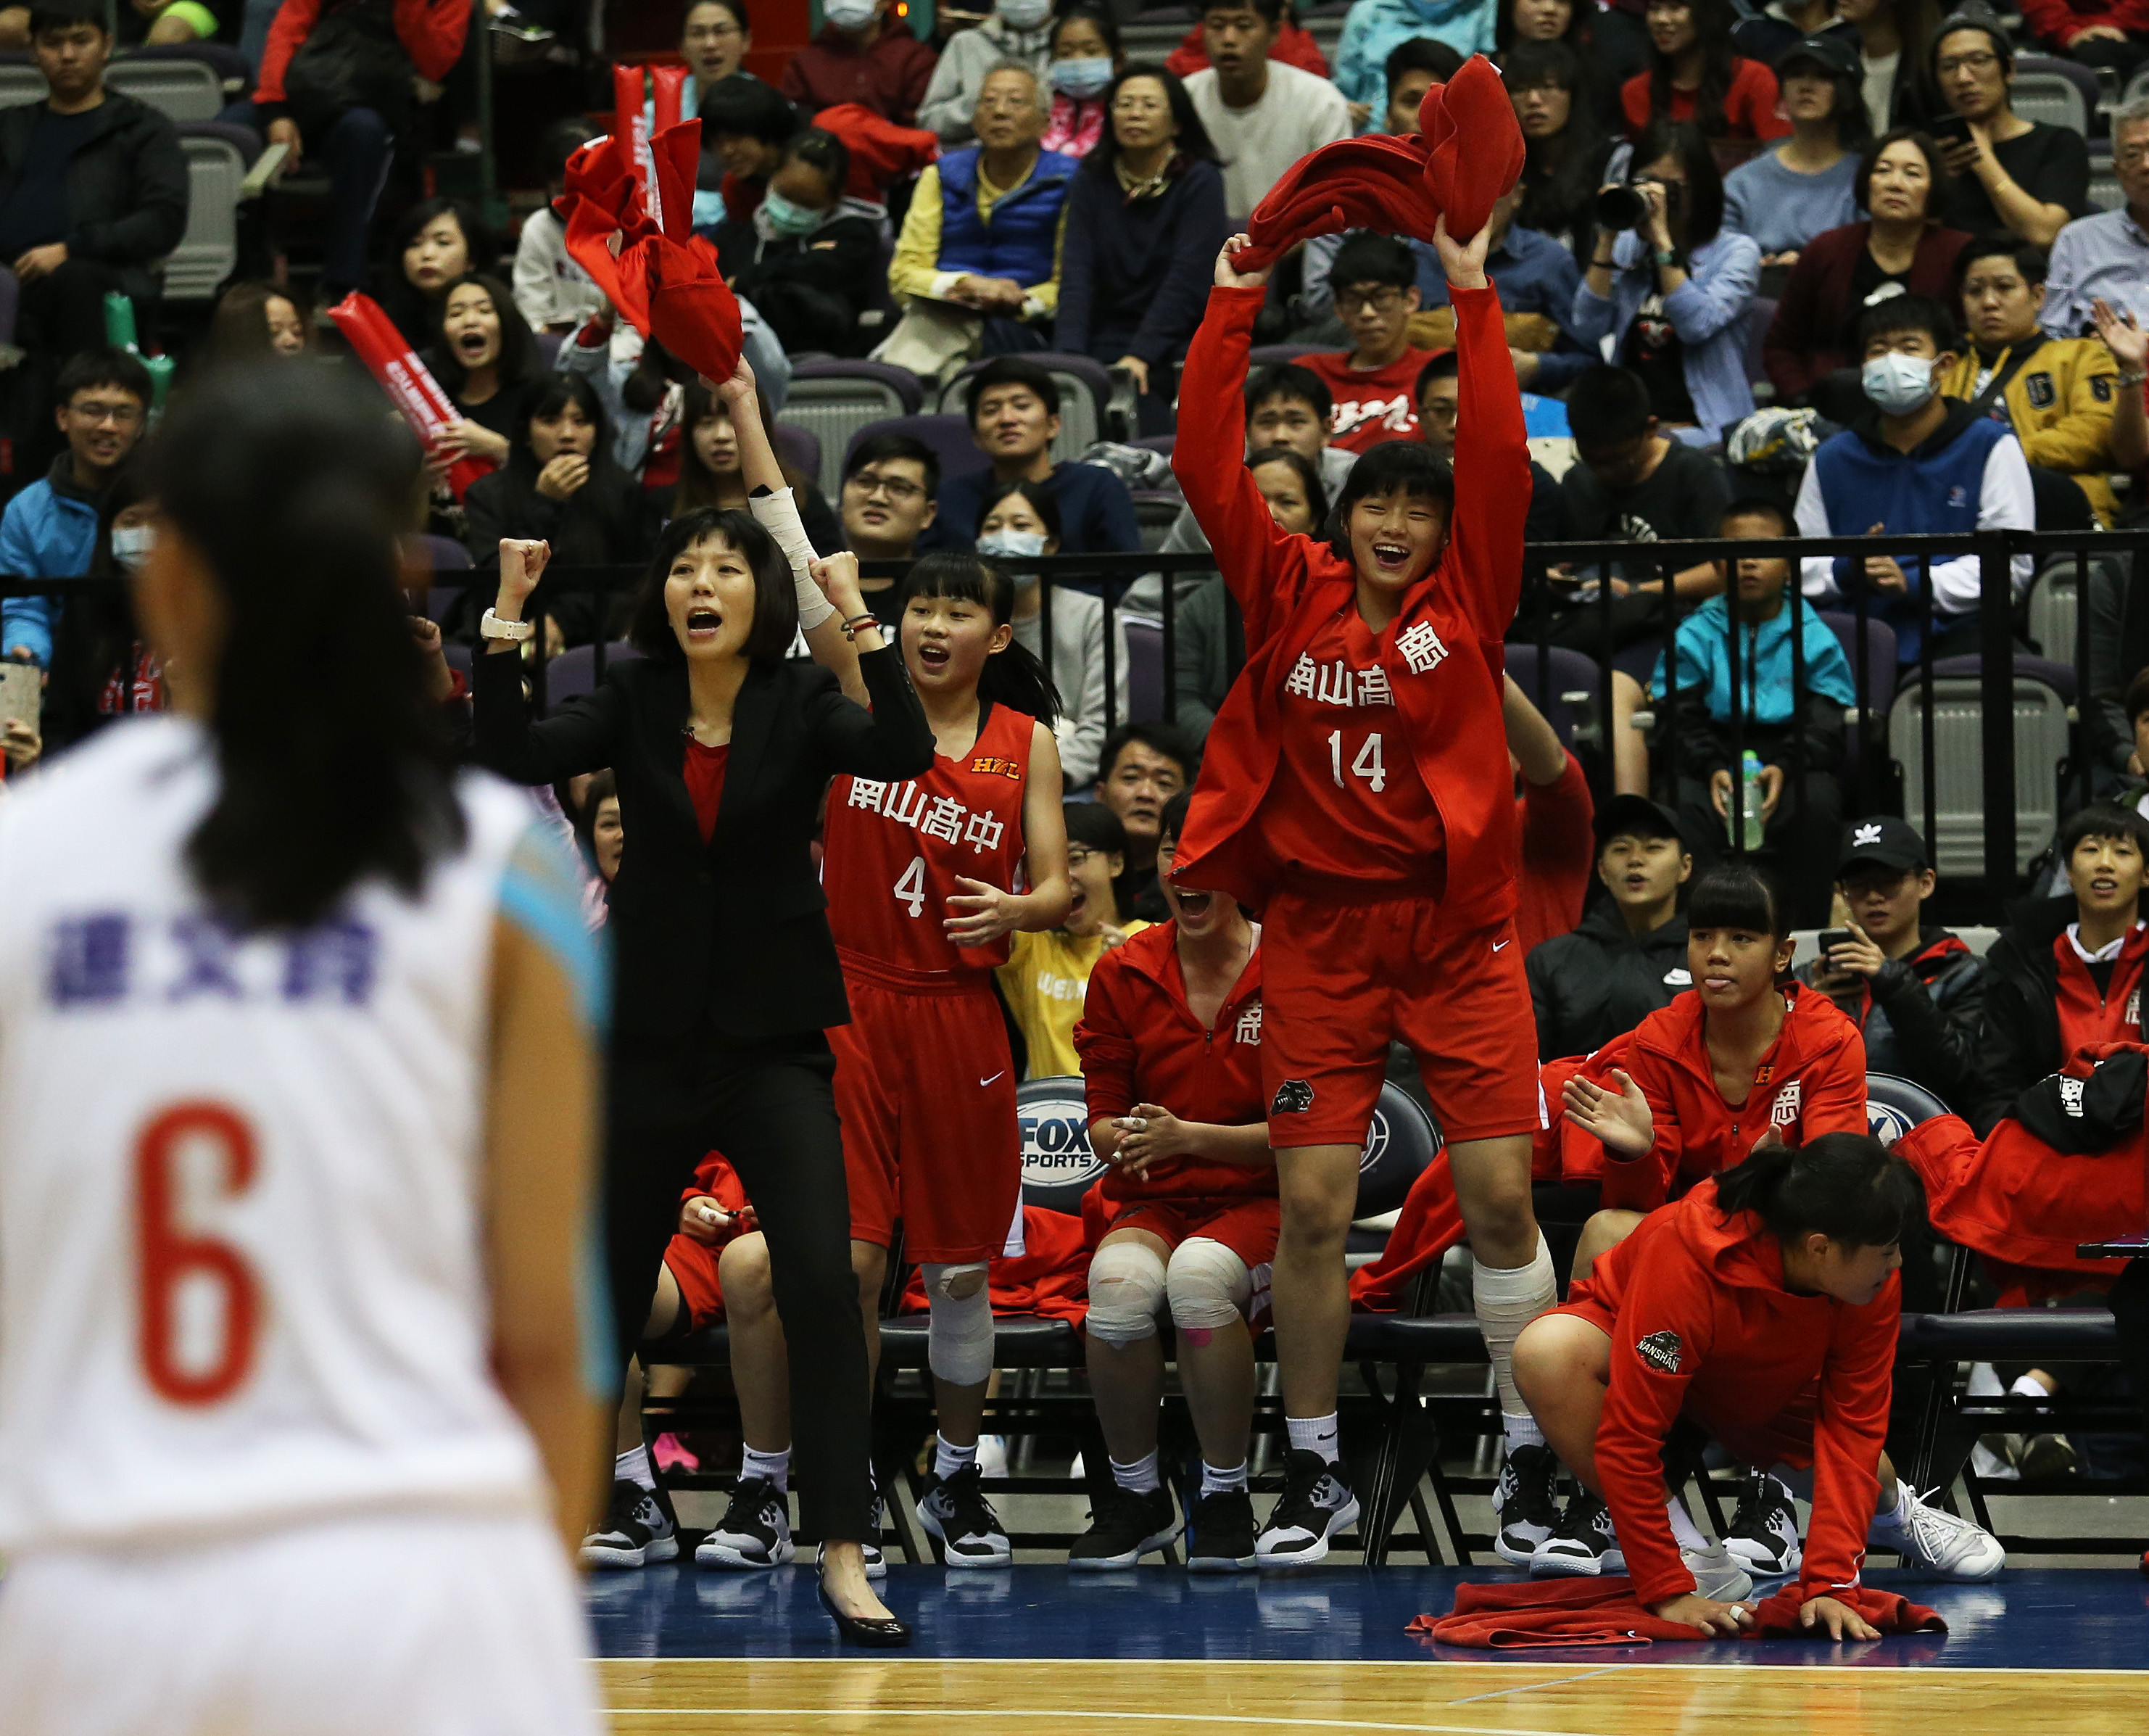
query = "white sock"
x=949 y=1459
x=1314 y=1434
x=1506 y=1299
x=633 y=1467
x=1140 y=1476
x=773 y=1467
x=1684 y=1532
x=1222 y=1482
x=2029 y=1385
x=1521 y=1431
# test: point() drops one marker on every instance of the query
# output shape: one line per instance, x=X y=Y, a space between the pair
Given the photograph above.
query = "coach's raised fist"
x=522 y=563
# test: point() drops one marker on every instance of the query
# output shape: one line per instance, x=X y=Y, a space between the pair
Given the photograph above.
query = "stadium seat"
x=1564 y=685
x=574 y=672
x=799 y=449
x=1895 y=1105
x=2059 y=93
x=1268 y=355
x=833 y=400
x=1144 y=669
x=950 y=436
x=2043 y=691
x=2105 y=192
x=218 y=157
x=20 y=83
x=183 y=84
x=1758 y=321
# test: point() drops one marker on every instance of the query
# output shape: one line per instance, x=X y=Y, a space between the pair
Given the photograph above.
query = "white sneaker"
x=1763 y=1534
x=1717 y=1573
x=1937 y=1541
x=992 y=1456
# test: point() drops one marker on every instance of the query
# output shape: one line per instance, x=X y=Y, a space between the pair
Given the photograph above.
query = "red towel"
x=1542 y=1612
x=1468 y=154
x=881 y=152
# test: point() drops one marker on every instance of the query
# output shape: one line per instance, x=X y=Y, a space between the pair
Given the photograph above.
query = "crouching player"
x=1763 y=1305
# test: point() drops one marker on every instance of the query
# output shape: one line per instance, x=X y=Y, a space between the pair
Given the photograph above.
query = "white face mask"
x=848 y=14
x=131 y=544
x=1024 y=14
x=1898 y=383
x=1012 y=545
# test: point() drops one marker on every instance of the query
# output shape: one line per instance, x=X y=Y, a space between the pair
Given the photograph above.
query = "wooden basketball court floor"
x=1038 y=1652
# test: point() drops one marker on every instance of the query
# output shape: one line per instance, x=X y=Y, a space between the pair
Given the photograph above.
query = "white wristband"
x=777 y=512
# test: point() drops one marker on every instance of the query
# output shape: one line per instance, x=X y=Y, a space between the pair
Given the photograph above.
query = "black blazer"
x=732 y=933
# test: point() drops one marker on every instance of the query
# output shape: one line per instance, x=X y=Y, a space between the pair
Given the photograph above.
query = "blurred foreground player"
x=297 y=1100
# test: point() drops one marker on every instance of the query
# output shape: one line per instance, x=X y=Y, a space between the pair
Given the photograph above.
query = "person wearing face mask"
x=1018 y=32
x=808 y=253
x=864 y=54
x=1086 y=56
x=1916 y=463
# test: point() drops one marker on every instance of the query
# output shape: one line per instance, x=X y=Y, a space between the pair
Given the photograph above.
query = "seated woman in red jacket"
x=1763 y=1305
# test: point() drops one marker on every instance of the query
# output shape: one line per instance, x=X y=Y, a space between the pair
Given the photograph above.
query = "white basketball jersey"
x=240 y=1264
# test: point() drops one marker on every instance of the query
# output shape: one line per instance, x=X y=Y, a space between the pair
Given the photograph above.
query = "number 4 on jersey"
x=910 y=890
x=1368 y=765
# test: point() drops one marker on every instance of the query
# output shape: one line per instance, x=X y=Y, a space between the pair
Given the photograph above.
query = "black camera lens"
x=1621 y=207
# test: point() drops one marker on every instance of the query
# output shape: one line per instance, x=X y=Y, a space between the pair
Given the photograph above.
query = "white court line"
x=1552 y=1682
x=1066 y=1713
x=1741 y=1659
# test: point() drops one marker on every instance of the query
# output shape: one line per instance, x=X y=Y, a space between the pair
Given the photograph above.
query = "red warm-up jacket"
x=1705 y=1324
x=431 y=31
x=1141 y=1042
x=1811 y=1081
x=1446 y=667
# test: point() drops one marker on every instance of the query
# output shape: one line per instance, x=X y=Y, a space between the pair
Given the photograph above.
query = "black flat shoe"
x=876 y=1632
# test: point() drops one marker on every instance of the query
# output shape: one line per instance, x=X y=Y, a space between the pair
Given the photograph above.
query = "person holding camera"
x=1671 y=285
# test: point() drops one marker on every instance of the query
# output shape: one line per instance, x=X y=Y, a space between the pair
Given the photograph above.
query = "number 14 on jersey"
x=1368 y=763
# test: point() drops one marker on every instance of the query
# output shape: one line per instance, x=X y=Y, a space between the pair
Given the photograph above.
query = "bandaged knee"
x=1126 y=1288
x=1506 y=1300
x=1208 y=1287
x=959 y=1342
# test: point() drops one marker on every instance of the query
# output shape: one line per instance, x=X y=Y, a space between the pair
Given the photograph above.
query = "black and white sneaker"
x=1763 y=1534
x=1124 y=1525
x=1526 y=1503
x=955 y=1512
x=1316 y=1503
x=1583 y=1544
x=637 y=1531
x=1219 y=1533
x=754 y=1534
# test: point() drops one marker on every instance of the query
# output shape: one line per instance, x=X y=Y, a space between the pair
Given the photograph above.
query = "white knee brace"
x=1210 y=1287
x=960 y=1344
x=1126 y=1286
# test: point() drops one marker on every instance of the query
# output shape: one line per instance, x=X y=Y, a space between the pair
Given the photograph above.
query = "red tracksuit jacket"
x=1705 y=1325
x=1448 y=664
x=1141 y=1042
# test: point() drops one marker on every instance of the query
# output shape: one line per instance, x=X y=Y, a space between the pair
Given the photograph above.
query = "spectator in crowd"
x=1720 y=708
x=1914 y=991
x=2106 y=255
x=1565 y=151
x=1552 y=813
x=745 y=126
x=1413 y=68
x=1916 y=463
x=1014 y=408
x=2097 y=33
x=2009 y=173
x=1086 y=57
x=1016 y=523
x=1766 y=32
x=1372 y=384
x=1809 y=347
x=2120 y=723
x=1047 y=975
x=1144 y=222
x=1675 y=289
x=1628 y=957
x=1790 y=194
x=1261 y=115
x=349 y=97
x=1293 y=45
x=101 y=667
x=487 y=363
x=1287 y=406
x=1522 y=26
x=890 y=482
x=806 y=256
x=1694 y=76
x=2056 y=394
x=551 y=292
x=254 y=320
x=1017 y=33
x=49 y=530
x=978 y=264
x=1439 y=395
x=864 y=54
x=2123 y=336
x=1892 y=38
x=436 y=243
x=714 y=38
x=1143 y=766
x=711 y=474
x=2068 y=971
x=1373 y=29
x=93 y=187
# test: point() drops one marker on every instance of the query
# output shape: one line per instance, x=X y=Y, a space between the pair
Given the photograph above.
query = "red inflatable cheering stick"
x=1469 y=153
x=632 y=121
x=431 y=412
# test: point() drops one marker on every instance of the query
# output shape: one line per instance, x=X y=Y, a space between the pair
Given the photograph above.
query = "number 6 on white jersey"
x=1368 y=765
x=910 y=890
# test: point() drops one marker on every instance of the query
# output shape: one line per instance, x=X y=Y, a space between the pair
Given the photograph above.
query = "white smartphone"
x=22 y=692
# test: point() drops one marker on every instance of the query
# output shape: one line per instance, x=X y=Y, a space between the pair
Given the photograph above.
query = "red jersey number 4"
x=910 y=890
x=1368 y=764
x=200 y=1308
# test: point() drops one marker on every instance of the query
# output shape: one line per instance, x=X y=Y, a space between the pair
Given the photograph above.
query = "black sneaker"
x=1764 y=1533
x=1582 y=1544
x=1219 y=1533
x=956 y=1512
x=1526 y=1503
x=1315 y=1504
x=637 y=1531
x=755 y=1532
x=1124 y=1525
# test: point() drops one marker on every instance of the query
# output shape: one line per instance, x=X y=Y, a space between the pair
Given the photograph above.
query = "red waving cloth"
x=1468 y=154
x=881 y=152
x=1539 y=1614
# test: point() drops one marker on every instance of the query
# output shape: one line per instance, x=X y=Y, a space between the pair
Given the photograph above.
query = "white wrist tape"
x=778 y=514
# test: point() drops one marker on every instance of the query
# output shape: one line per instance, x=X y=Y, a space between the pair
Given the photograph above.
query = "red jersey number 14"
x=1367 y=764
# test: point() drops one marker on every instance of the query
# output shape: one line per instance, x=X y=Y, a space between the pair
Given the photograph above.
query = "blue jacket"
x=1375 y=28
x=1020 y=241
x=1710 y=313
x=1764 y=662
x=1096 y=512
x=48 y=531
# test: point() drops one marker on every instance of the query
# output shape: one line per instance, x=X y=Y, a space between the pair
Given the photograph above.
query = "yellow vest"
x=2060 y=402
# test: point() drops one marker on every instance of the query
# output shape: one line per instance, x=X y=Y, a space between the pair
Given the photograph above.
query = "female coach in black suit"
x=725 y=975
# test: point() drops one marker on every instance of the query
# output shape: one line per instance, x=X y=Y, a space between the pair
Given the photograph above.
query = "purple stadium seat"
x=1268 y=355
x=574 y=672
x=799 y=448
x=1565 y=672
x=904 y=384
x=2059 y=677
x=1880 y=671
x=1144 y=669
x=948 y=436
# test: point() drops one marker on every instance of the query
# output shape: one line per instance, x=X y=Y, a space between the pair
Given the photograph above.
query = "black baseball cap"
x=1635 y=817
x=1884 y=841
x=1834 y=51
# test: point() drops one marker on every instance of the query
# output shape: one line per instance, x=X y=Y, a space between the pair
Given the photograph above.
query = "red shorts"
x=1247 y=1227
x=693 y=1268
x=1340 y=981
x=925 y=1089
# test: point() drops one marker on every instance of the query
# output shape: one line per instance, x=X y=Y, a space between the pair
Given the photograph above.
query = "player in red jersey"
x=1356 y=790
x=920 y=877
x=1171 y=1044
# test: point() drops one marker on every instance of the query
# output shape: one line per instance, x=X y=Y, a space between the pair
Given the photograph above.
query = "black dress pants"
x=770 y=1107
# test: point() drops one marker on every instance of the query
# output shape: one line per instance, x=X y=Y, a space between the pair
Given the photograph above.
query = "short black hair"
x=1037 y=494
x=2100 y=819
x=1733 y=895
x=824 y=153
x=1408 y=467
x=1908 y=312
x=1009 y=370
x=1421 y=54
x=1168 y=739
x=564 y=137
x=1687 y=145
x=1094 y=826
x=1447 y=365
x=1173 y=820
x=737 y=9
x=65 y=14
x=880 y=448
x=90 y=368
x=1271 y=10
x=1308 y=472
x=1366 y=258
x=1536 y=66
x=775 y=597
x=743 y=106
x=1758 y=506
x=1869 y=160
x=1607 y=406
x=1969 y=18
x=1288 y=379
x=2029 y=259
